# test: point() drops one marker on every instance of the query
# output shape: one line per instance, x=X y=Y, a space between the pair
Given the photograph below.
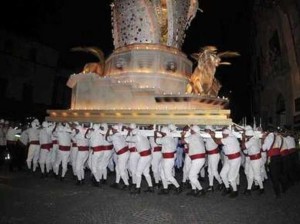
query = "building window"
x=274 y=48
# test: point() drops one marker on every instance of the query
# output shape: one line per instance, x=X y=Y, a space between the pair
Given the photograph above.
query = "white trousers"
x=254 y=173
x=179 y=157
x=103 y=163
x=121 y=168
x=54 y=154
x=73 y=156
x=156 y=165
x=96 y=164
x=143 y=167
x=186 y=168
x=263 y=171
x=132 y=165
x=45 y=159
x=167 y=173
x=33 y=156
x=195 y=168
x=213 y=162
x=81 y=158
x=230 y=172
x=62 y=158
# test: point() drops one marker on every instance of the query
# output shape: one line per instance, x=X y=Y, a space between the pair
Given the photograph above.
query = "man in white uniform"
x=63 y=133
x=197 y=155
x=34 y=145
x=251 y=147
x=231 y=167
x=213 y=158
x=169 y=144
x=143 y=167
x=119 y=142
x=46 y=147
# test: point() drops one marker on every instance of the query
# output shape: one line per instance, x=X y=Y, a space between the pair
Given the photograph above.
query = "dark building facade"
x=30 y=80
x=275 y=75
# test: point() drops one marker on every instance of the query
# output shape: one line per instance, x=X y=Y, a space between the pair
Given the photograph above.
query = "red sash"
x=47 y=146
x=255 y=156
x=145 y=153
x=74 y=144
x=234 y=155
x=55 y=142
x=168 y=155
x=123 y=150
x=198 y=156
x=212 y=152
x=102 y=148
x=9 y=142
x=34 y=142
x=284 y=152
x=274 y=152
x=157 y=149
x=132 y=149
x=83 y=148
x=64 y=148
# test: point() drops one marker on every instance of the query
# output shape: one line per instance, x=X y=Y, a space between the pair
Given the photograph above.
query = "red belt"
x=102 y=148
x=234 y=155
x=55 y=142
x=145 y=153
x=10 y=142
x=157 y=149
x=274 y=152
x=64 y=148
x=74 y=144
x=46 y=146
x=198 y=156
x=34 y=142
x=83 y=148
x=292 y=150
x=132 y=149
x=123 y=150
x=212 y=152
x=255 y=156
x=168 y=155
x=284 y=152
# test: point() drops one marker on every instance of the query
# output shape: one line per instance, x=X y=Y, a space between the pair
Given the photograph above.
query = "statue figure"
x=93 y=67
x=203 y=80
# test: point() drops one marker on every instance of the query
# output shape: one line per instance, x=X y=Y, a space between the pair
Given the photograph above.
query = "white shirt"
x=11 y=134
x=45 y=136
x=168 y=144
x=268 y=142
x=141 y=142
x=210 y=144
x=81 y=140
x=63 y=135
x=291 y=143
x=33 y=134
x=196 y=144
x=231 y=145
x=252 y=146
x=118 y=141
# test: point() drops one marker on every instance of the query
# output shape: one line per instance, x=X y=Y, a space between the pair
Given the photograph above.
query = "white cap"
x=249 y=133
x=36 y=121
x=226 y=131
x=135 y=131
x=195 y=128
x=2 y=121
x=165 y=130
x=115 y=126
x=45 y=124
x=96 y=126
x=172 y=127
x=248 y=127
x=6 y=122
x=104 y=126
x=209 y=127
x=132 y=126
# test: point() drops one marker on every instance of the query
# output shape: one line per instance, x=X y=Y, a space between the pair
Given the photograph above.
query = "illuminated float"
x=147 y=79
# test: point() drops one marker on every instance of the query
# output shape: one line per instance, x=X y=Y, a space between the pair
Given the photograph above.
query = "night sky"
x=62 y=24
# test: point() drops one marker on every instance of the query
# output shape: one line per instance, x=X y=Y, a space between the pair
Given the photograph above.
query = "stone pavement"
x=26 y=198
